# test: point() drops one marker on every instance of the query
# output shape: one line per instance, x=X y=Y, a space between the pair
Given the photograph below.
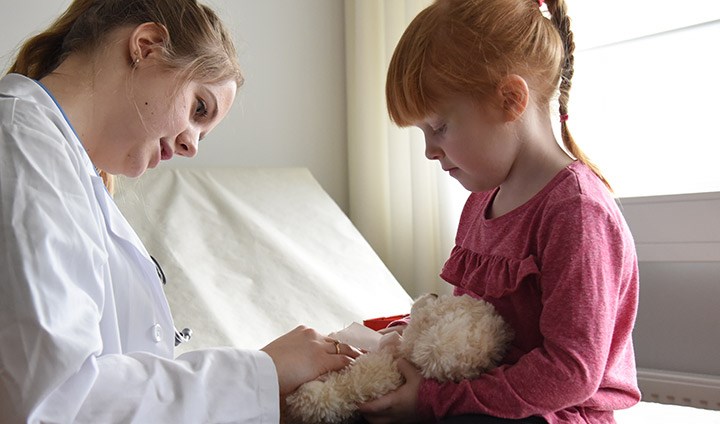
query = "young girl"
x=86 y=335
x=540 y=237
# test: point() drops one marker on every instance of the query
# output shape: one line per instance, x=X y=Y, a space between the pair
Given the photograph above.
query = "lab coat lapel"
x=119 y=228
x=115 y=221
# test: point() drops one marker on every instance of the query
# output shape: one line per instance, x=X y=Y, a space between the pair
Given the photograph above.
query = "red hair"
x=468 y=46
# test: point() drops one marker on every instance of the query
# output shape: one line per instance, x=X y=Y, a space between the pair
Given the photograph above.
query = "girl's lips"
x=166 y=152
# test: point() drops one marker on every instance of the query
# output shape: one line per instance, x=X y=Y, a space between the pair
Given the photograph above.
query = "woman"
x=86 y=335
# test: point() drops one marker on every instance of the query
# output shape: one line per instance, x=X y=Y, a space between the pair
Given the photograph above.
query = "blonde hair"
x=197 y=43
x=468 y=46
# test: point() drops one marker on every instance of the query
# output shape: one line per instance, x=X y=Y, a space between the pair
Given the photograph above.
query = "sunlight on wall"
x=646 y=109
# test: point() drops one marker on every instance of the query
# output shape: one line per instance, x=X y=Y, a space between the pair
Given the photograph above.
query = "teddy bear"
x=448 y=338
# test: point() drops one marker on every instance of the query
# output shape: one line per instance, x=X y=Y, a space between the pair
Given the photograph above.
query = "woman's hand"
x=303 y=355
x=399 y=406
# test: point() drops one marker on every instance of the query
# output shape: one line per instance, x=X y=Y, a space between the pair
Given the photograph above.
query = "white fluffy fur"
x=449 y=338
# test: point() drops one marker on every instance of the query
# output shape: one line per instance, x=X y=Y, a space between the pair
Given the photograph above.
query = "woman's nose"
x=186 y=144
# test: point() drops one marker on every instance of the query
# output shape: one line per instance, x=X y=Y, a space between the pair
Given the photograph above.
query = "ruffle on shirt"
x=487 y=275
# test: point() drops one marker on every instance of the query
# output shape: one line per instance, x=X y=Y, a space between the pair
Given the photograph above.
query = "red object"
x=380 y=323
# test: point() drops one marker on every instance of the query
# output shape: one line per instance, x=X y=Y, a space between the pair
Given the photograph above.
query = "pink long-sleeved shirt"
x=562 y=270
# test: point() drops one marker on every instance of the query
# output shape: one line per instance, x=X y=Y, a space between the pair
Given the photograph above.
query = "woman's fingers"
x=340 y=348
x=303 y=355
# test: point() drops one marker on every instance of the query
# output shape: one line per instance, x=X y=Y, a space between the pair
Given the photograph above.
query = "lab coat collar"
x=27 y=89
x=20 y=86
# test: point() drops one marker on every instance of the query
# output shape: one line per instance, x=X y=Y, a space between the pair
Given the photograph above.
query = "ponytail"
x=42 y=53
x=559 y=17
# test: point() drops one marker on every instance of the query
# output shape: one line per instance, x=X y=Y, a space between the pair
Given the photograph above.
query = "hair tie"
x=563 y=118
x=541 y=3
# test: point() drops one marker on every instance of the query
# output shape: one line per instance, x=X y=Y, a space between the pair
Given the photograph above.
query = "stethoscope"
x=186 y=333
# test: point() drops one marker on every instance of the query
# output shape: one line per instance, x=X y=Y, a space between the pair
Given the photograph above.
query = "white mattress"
x=657 y=413
x=251 y=253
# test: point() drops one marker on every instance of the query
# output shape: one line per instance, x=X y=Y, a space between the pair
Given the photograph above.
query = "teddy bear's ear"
x=422 y=301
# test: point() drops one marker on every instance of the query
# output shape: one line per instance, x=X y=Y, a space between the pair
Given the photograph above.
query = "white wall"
x=644 y=99
x=678 y=245
x=291 y=111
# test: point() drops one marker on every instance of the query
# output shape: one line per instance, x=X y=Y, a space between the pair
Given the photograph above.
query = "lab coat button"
x=157 y=333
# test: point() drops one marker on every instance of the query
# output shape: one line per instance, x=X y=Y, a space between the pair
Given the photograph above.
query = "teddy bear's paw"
x=319 y=402
x=371 y=376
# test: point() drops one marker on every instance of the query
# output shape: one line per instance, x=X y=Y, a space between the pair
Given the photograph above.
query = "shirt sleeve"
x=588 y=311
x=209 y=385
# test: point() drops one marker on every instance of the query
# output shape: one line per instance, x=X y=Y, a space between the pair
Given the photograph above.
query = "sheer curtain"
x=403 y=204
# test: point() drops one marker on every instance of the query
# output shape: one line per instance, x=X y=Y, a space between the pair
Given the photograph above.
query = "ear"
x=514 y=96
x=146 y=40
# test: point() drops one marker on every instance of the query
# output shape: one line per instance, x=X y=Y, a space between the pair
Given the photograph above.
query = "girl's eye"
x=440 y=130
x=201 y=108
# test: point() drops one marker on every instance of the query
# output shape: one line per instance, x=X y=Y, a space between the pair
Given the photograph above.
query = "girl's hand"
x=399 y=406
x=303 y=355
x=396 y=328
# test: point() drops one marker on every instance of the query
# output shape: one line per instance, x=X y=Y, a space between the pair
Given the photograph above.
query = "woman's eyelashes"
x=201 y=109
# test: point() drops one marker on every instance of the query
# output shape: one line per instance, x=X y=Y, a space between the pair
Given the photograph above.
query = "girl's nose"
x=432 y=151
x=186 y=144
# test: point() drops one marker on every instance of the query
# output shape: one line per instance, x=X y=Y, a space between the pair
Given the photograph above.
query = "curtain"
x=403 y=204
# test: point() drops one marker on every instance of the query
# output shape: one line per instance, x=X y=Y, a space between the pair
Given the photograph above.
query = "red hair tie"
x=564 y=118
x=541 y=2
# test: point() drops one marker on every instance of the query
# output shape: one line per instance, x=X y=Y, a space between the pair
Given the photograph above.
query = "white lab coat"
x=86 y=333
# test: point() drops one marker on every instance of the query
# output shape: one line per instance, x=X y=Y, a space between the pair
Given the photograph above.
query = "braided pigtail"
x=561 y=20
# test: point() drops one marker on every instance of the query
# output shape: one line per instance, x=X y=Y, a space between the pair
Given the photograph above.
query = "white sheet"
x=657 y=413
x=251 y=253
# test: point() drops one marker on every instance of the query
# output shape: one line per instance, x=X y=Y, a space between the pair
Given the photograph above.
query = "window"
x=644 y=104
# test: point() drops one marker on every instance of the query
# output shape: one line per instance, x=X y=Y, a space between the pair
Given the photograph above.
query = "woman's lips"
x=166 y=152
